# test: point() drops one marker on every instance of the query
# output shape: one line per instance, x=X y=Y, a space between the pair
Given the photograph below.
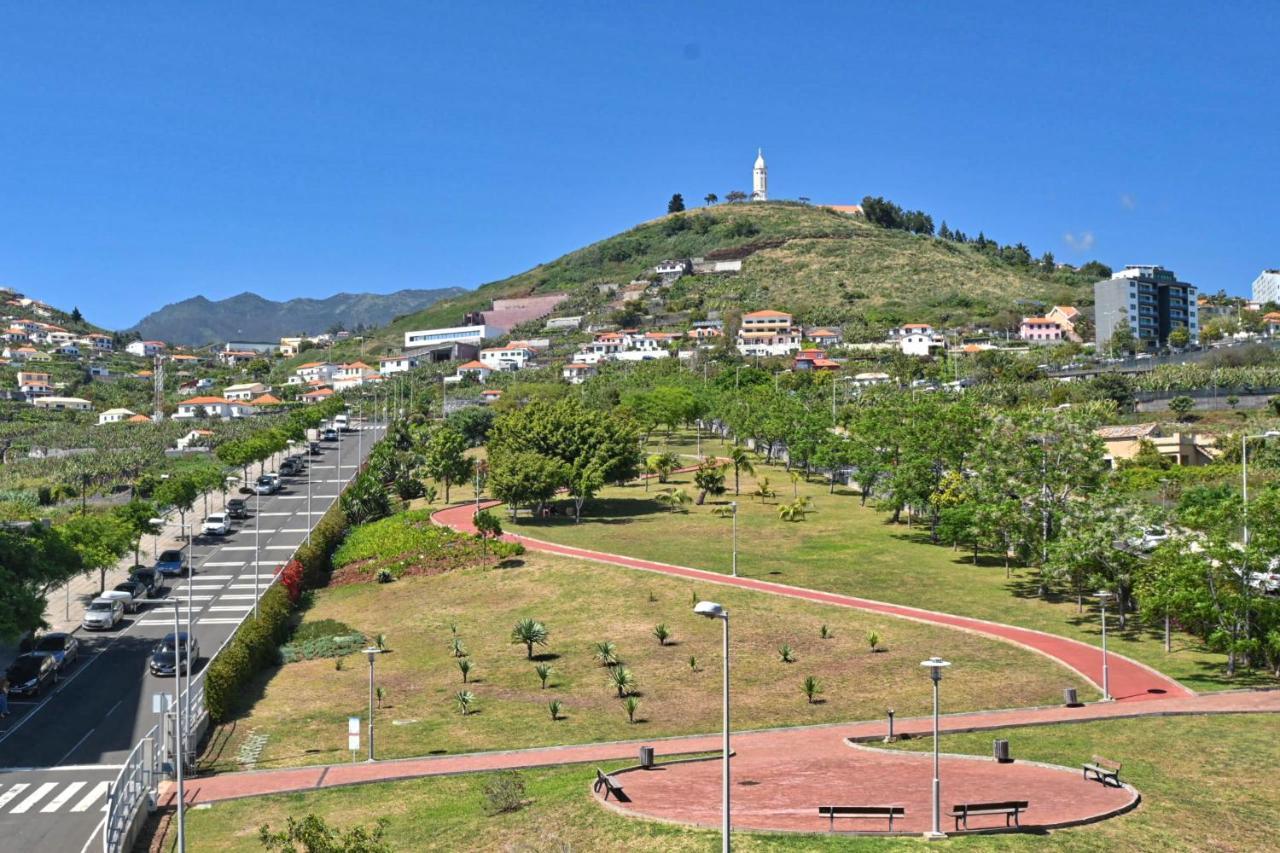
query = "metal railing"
x=132 y=792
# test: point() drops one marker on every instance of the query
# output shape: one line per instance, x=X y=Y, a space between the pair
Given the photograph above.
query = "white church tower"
x=760 y=178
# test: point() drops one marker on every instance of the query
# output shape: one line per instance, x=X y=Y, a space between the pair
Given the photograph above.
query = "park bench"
x=610 y=786
x=834 y=812
x=1011 y=810
x=1104 y=770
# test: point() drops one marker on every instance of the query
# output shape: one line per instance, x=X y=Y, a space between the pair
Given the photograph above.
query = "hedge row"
x=317 y=556
x=253 y=648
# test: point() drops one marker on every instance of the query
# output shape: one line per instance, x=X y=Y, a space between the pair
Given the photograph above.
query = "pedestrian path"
x=1129 y=680
x=52 y=797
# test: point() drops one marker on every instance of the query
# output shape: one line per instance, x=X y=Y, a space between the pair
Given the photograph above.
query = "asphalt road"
x=58 y=752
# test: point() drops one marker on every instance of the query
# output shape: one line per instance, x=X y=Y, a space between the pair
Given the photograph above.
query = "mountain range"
x=250 y=317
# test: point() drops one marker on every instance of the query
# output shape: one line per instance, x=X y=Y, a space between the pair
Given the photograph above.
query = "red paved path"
x=255 y=782
x=1129 y=680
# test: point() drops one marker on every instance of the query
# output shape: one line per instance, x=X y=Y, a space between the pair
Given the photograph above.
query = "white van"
x=341 y=423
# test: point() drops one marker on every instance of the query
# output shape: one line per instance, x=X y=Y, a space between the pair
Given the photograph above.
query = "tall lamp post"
x=179 y=733
x=372 y=653
x=734 y=505
x=1103 y=597
x=711 y=610
x=936 y=665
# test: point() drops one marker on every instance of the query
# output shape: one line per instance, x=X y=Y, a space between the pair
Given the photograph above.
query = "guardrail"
x=132 y=793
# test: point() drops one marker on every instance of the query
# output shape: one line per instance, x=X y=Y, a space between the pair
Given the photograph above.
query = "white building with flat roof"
x=1266 y=287
x=453 y=334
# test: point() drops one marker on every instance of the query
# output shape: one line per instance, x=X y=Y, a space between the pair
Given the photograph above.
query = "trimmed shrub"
x=252 y=648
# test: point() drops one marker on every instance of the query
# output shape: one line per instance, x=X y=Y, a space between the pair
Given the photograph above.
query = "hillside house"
x=1271 y=323
x=1066 y=317
x=671 y=270
x=768 y=333
x=563 y=324
x=354 y=375
x=490 y=395
x=510 y=357
x=824 y=337
x=476 y=334
x=22 y=353
x=265 y=400
x=477 y=370
x=813 y=359
x=236 y=357
x=1183 y=448
x=575 y=373
x=1040 y=330
x=114 y=416
x=69 y=350
x=211 y=407
x=16 y=335
x=145 y=349
x=195 y=438
x=63 y=404
x=918 y=339
x=245 y=391
x=32 y=384
x=316 y=395
x=313 y=371
x=402 y=363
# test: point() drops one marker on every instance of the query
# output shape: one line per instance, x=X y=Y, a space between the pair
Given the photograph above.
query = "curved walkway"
x=1129 y=680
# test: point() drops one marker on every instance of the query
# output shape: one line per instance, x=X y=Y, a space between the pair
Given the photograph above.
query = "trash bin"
x=646 y=757
x=1001 y=751
x=1069 y=697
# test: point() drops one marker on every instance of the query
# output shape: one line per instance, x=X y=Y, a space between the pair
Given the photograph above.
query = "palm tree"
x=544 y=672
x=662 y=633
x=555 y=706
x=741 y=465
x=631 y=705
x=794 y=511
x=607 y=653
x=710 y=198
x=795 y=484
x=529 y=632
x=464 y=699
x=622 y=679
x=811 y=688
x=763 y=490
x=464 y=666
x=674 y=498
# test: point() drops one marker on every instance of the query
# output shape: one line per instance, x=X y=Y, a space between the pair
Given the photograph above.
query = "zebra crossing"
x=52 y=797
x=215 y=599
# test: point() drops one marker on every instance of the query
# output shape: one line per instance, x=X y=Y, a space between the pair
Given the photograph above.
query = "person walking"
x=4 y=697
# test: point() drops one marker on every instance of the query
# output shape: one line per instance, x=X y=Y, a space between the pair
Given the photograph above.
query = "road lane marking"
x=33 y=798
x=237 y=597
x=232 y=608
x=237 y=548
x=279 y=547
x=221 y=621
x=65 y=794
x=98 y=791
x=14 y=790
x=219 y=577
x=82 y=740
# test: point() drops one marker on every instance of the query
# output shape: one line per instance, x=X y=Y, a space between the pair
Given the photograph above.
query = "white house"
x=918 y=339
x=478 y=369
x=402 y=363
x=575 y=373
x=68 y=404
x=33 y=384
x=145 y=349
x=353 y=375
x=211 y=407
x=768 y=333
x=305 y=374
x=98 y=341
x=465 y=334
x=511 y=357
x=245 y=391
x=114 y=416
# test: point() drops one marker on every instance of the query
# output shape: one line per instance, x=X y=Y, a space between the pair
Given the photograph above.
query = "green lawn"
x=303 y=707
x=1184 y=807
x=847 y=548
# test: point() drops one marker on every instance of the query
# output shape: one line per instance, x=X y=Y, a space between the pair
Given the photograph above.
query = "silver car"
x=103 y=614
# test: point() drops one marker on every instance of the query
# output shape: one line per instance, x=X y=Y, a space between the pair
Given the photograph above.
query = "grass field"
x=303 y=707
x=846 y=548
x=1184 y=807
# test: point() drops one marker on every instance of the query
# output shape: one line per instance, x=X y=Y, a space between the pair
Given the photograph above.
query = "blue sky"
x=151 y=152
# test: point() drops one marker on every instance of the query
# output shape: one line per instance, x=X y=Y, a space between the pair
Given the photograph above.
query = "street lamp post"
x=936 y=665
x=372 y=652
x=711 y=610
x=1103 y=597
x=257 y=541
x=178 y=737
x=734 y=505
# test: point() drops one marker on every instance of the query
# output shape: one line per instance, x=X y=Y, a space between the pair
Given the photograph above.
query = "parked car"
x=313 y=447
x=267 y=485
x=217 y=524
x=64 y=648
x=237 y=508
x=330 y=434
x=130 y=594
x=171 y=563
x=164 y=660
x=29 y=674
x=288 y=467
x=149 y=578
x=103 y=614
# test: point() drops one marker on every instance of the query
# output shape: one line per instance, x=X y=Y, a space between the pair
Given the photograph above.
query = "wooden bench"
x=1104 y=770
x=1011 y=809
x=610 y=786
x=834 y=812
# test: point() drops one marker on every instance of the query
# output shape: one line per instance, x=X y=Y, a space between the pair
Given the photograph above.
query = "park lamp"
x=710 y=609
x=936 y=665
x=372 y=652
x=1104 y=596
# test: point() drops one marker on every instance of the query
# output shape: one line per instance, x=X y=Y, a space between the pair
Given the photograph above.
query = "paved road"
x=56 y=753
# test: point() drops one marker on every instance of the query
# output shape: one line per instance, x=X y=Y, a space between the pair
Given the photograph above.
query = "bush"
x=252 y=648
x=503 y=792
x=322 y=647
x=321 y=628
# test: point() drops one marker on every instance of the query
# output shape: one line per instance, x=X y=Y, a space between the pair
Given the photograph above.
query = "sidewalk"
x=253 y=783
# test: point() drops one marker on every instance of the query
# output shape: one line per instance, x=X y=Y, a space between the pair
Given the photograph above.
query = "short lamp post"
x=1103 y=597
x=711 y=610
x=936 y=665
x=372 y=653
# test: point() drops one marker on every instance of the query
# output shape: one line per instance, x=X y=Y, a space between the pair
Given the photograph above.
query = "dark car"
x=163 y=660
x=62 y=647
x=30 y=673
x=237 y=508
x=313 y=448
x=171 y=563
x=288 y=468
x=149 y=578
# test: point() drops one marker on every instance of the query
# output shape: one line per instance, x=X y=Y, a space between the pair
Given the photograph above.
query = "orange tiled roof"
x=473 y=365
x=205 y=401
x=266 y=400
x=768 y=313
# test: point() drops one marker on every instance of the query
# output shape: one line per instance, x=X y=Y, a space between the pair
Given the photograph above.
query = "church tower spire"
x=760 y=178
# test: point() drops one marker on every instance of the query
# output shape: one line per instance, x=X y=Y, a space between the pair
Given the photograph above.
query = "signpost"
x=353 y=737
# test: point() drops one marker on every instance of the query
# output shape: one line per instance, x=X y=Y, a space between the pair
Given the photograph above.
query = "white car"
x=127 y=593
x=267 y=485
x=102 y=614
x=217 y=525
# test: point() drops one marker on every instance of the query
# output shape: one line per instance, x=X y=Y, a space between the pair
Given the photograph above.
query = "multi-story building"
x=1150 y=299
x=146 y=349
x=1040 y=330
x=768 y=333
x=402 y=363
x=917 y=339
x=510 y=357
x=1266 y=287
x=476 y=334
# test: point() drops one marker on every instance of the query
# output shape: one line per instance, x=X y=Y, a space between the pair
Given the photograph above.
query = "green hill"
x=826 y=267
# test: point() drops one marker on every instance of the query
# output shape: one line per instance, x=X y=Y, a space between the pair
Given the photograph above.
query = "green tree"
x=487 y=527
x=525 y=479
x=583 y=482
x=33 y=562
x=444 y=458
x=709 y=479
x=676 y=204
x=100 y=540
x=741 y=460
x=136 y=516
x=365 y=500
x=179 y=492
x=710 y=199
x=1181 y=406
x=1122 y=341
x=1179 y=337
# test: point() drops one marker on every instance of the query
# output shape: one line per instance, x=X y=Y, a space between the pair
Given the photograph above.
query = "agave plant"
x=763 y=490
x=555 y=706
x=631 y=704
x=529 y=633
x=662 y=633
x=459 y=650
x=607 y=653
x=811 y=688
x=622 y=680
x=464 y=699
x=873 y=640
x=464 y=667
x=543 y=671
x=786 y=653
